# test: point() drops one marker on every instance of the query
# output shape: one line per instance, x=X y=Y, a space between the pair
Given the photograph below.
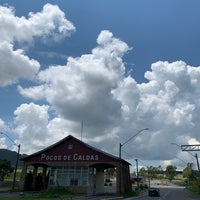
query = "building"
x=73 y=164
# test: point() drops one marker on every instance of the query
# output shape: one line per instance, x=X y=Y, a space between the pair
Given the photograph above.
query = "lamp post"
x=16 y=164
x=120 y=152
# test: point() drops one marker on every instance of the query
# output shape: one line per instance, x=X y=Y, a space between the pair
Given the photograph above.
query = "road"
x=169 y=193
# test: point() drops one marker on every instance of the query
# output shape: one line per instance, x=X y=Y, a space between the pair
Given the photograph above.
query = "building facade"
x=75 y=165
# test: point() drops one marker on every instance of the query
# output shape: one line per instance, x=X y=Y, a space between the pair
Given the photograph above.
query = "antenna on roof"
x=81 y=129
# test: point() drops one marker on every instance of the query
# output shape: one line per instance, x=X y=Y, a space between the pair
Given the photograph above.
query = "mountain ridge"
x=11 y=156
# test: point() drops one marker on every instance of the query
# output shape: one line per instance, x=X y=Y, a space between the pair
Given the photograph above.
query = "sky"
x=102 y=71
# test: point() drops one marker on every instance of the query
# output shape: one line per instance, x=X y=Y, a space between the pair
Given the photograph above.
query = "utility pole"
x=16 y=165
x=120 y=168
x=197 y=162
x=137 y=173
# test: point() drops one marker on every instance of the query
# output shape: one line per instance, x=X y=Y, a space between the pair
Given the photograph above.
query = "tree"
x=5 y=168
x=188 y=170
x=154 y=172
x=170 y=172
x=190 y=175
x=143 y=172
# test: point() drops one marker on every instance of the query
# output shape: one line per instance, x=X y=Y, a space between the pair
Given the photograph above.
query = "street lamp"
x=120 y=152
x=16 y=165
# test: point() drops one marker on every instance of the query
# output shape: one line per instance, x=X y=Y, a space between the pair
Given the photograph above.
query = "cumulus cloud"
x=49 y=24
x=85 y=86
x=94 y=89
x=3 y=128
x=2 y=125
x=3 y=143
x=14 y=65
x=35 y=93
x=35 y=128
x=32 y=121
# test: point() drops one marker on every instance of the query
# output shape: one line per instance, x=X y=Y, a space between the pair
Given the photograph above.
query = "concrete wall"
x=100 y=182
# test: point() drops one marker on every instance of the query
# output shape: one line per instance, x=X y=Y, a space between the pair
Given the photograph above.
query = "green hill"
x=11 y=156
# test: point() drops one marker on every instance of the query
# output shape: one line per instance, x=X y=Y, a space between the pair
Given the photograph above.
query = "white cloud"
x=36 y=130
x=85 y=86
x=32 y=121
x=49 y=24
x=193 y=141
x=2 y=125
x=3 y=128
x=3 y=143
x=34 y=93
x=50 y=21
x=14 y=65
x=113 y=107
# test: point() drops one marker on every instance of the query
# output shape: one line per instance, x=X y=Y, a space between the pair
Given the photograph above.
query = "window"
x=74 y=182
x=69 y=176
x=70 y=146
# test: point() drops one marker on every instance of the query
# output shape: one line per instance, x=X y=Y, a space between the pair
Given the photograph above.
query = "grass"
x=194 y=191
x=10 y=177
x=51 y=194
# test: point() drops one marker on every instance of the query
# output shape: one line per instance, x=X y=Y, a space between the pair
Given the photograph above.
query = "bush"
x=130 y=194
x=141 y=187
x=5 y=169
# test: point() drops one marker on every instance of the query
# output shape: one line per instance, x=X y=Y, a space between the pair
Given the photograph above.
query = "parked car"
x=154 y=192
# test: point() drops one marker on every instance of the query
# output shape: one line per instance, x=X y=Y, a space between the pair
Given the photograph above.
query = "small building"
x=73 y=164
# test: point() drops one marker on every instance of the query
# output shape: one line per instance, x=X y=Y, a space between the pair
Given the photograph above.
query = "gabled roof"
x=60 y=145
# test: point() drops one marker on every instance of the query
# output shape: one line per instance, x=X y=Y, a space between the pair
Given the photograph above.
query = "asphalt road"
x=170 y=193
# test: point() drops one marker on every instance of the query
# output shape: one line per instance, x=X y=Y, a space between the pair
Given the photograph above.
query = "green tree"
x=5 y=168
x=188 y=170
x=170 y=172
x=154 y=172
x=143 y=172
x=191 y=176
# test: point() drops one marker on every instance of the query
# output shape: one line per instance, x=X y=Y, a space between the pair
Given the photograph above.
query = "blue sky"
x=118 y=66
